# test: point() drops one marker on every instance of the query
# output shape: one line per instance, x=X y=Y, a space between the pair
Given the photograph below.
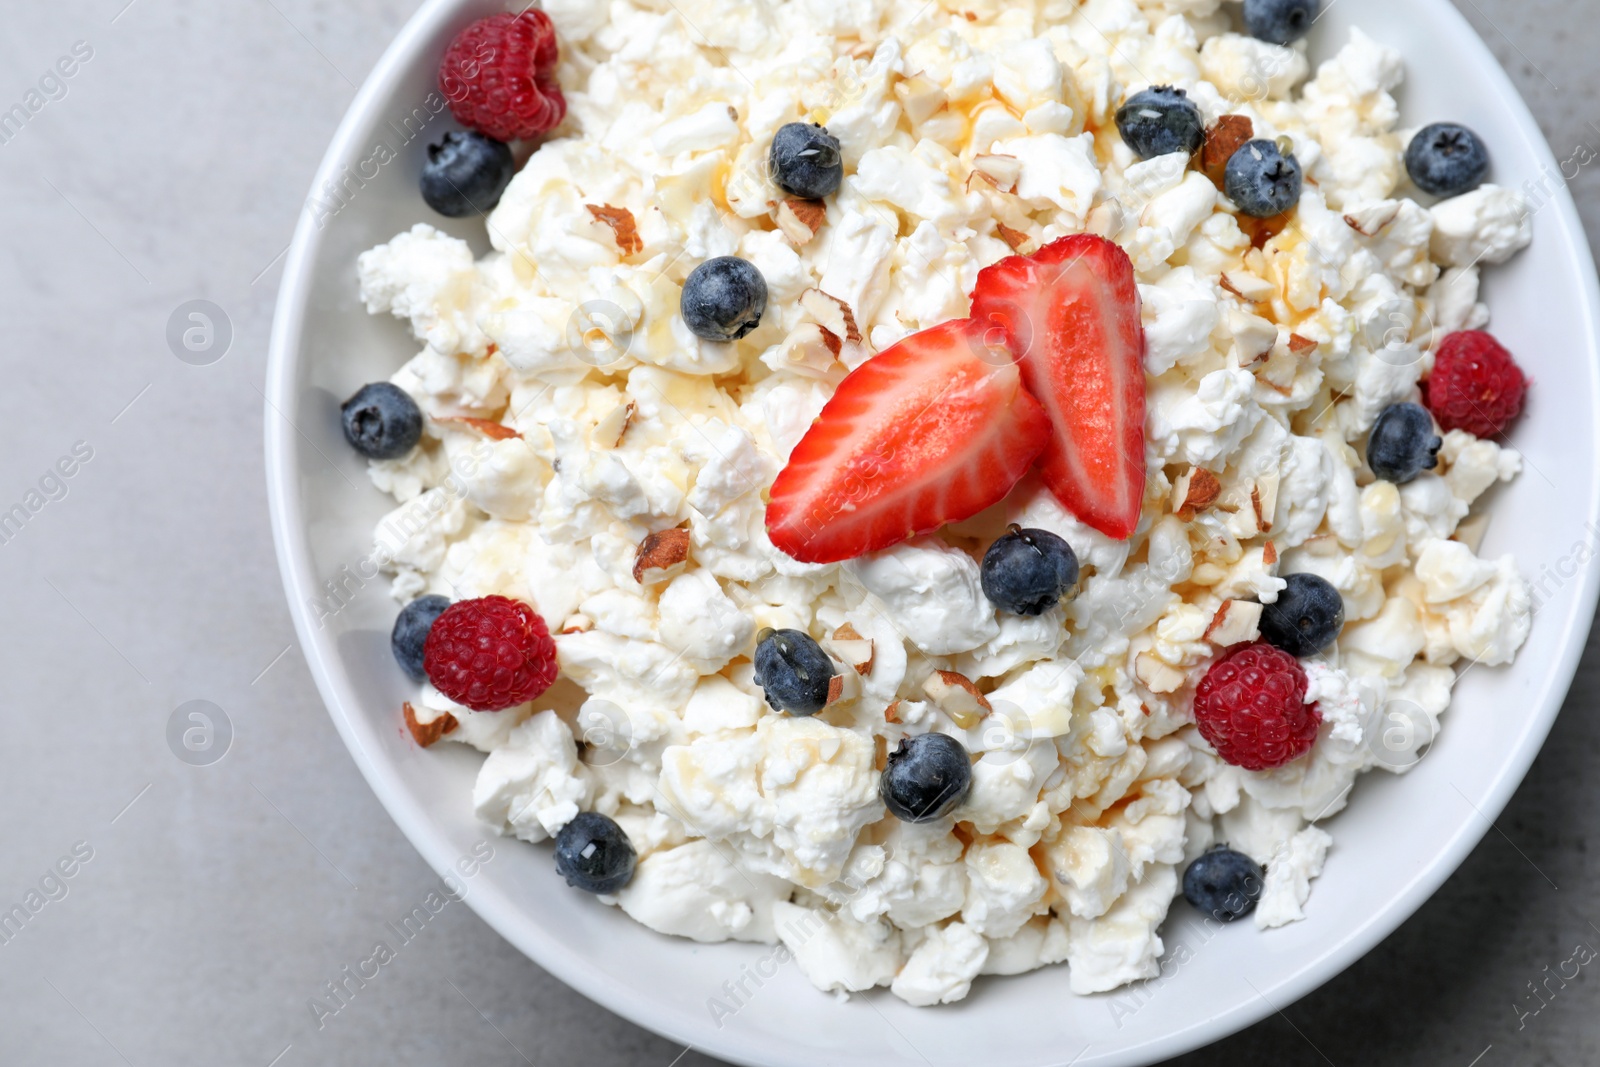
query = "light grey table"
x=217 y=900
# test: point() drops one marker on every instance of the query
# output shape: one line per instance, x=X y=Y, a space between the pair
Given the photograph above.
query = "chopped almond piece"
x=892 y=712
x=494 y=430
x=1227 y=136
x=577 y=624
x=832 y=314
x=623 y=227
x=428 y=733
x=662 y=556
x=880 y=752
x=1235 y=622
x=848 y=646
x=1157 y=676
x=1015 y=238
x=835 y=690
x=920 y=97
x=1269 y=553
x=801 y=220
x=1301 y=346
x=957 y=697
x=1002 y=172
x=1195 y=491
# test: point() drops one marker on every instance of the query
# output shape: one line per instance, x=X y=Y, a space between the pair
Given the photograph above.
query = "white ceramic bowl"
x=1399 y=839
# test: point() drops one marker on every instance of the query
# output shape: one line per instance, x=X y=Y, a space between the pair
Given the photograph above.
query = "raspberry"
x=490 y=654
x=499 y=76
x=1251 y=706
x=1475 y=386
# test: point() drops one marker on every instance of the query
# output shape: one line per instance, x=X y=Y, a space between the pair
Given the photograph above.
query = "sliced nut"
x=1247 y=286
x=880 y=752
x=892 y=712
x=1195 y=490
x=848 y=646
x=1158 y=677
x=835 y=690
x=614 y=427
x=801 y=220
x=1229 y=134
x=832 y=314
x=428 y=733
x=1015 y=238
x=662 y=556
x=577 y=624
x=1235 y=622
x=1002 y=172
x=623 y=227
x=1264 y=499
x=1301 y=346
x=809 y=349
x=1269 y=553
x=1371 y=219
x=920 y=97
x=494 y=430
x=957 y=697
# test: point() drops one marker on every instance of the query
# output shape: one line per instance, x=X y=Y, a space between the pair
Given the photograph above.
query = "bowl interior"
x=1398 y=840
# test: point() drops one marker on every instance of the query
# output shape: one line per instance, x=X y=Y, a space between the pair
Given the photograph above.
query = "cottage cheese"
x=1091 y=785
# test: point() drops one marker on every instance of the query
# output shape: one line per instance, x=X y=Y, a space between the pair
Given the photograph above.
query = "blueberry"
x=1280 y=21
x=805 y=161
x=1224 y=884
x=466 y=173
x=1159 y=121
x=1307 y=617
x=1446 y=159
x=926 y=777
x=382 y=421
x=594 y=855
x=723 y=299
x=1262 y=181
x=1402 y=443
x=410 y=633
x=1027 y=572
x=793 y=670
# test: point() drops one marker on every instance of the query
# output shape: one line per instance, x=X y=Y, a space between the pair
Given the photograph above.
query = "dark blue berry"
x=1262 y=181
x=723 y=299
x=594 y=855
x=1402 y=443
x=794 y=671
x=1027 y=572
x=805 y=161
x=926 y=777
x=466 y=174
x=1159 y=121
x=382 y=421
x=1306 y=618
x=410 y=633
x=1224 y=884
x=1446 y=159
x=1280 y=21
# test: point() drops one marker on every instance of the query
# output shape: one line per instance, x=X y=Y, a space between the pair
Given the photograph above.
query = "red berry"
x=499 y=75
x=1475 y=386
x=1070 y=313
x=1251 y=706
x=929 y=431
x=490 y=654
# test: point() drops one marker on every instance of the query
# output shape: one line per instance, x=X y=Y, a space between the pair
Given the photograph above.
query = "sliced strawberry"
x=1070 y=312
x=930 y=431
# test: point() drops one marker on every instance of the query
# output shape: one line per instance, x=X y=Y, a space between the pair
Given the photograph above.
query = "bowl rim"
x=299 y=577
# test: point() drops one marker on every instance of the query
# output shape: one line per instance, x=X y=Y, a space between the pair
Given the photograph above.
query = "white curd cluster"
x=1268 y=362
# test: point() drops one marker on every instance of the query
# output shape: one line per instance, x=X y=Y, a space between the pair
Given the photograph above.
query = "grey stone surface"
x=220 y=896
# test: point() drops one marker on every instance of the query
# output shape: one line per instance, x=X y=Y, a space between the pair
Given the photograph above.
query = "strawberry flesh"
x=928 y=432
x=1070 y=313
